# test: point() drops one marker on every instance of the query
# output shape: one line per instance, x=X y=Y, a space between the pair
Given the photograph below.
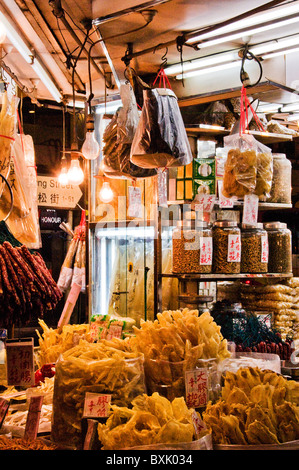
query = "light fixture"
x=202 y=63
x=216 y=68
x=14 y=37
x=293 y=117
x=90 y=148
x=63 y=177
x=108 y=107
x=251 y=21
x=106 y=194
x=268 y=107
x=290 y=107
x=75 y=173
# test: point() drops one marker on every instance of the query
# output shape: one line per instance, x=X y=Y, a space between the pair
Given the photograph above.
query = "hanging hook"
x=164 y=56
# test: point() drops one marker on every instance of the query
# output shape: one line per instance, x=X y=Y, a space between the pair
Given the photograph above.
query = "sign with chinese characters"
x=234 y=249
x=265 y=248
x=250 y=211
x=162 y=187
x=33 y=417
x=4 y=405
x=196 y=385
x=198 y=423
x=96 y=405
x=51 y=193
x=206 y=250
x=207 y=202
x=20 y=362
x=224 y=202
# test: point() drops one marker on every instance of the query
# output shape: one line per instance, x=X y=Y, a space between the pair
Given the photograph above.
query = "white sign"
x=51 y=193
x=250 y=211
x=234 y=249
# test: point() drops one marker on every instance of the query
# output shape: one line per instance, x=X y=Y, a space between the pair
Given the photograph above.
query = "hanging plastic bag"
x=249 y=165
x=7 y=131
x=160 y=140
x=118 y=137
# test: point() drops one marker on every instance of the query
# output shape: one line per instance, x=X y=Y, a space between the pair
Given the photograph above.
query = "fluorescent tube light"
x=293 y=117
x=217 y=68
x=247 y=32
x=28 y=55
x=203 y=62
x=109 y=107
x=268 y=107
x=253 y=20
x=290 y=107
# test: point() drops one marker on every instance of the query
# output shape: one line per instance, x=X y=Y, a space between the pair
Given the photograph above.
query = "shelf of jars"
x=224 y=277
x=239 y=204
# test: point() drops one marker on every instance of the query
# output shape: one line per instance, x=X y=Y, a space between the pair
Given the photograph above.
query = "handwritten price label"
x=135 y=206
x=196 y=385
x=224 y=202
x=250 y=211
x=204 y=202
x=206 y=251
x=96 y=405
x=265 y=249
x=234 y=249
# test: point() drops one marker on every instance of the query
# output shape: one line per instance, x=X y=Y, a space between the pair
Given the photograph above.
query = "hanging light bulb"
x=75 y=173
x=90 y=148
x=106 y=194
x=63 y=175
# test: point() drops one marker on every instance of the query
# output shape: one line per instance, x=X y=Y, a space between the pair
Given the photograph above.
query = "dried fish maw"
x=292 y=391
x=231 y=428
x=173 y=431
x=180 y=410
x=286 y=432
x=257 y=413
x=237 y=396
x=262 y=394
x=258 y=433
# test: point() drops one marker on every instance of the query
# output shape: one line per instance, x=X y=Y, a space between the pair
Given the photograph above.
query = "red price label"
x=196 y=385
x=96 y=405
x=265 y=249
x=234 y=249
x=206 y=250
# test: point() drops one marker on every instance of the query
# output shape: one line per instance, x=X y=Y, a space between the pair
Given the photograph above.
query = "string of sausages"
x=27 y=288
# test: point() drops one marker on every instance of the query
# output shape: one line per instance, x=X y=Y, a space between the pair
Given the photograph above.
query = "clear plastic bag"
x=248 y=168
x=160 y=140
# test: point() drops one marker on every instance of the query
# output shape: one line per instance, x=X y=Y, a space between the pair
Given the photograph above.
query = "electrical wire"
x=248 y=55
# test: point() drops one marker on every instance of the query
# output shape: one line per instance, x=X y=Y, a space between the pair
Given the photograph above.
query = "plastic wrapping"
x=248 y=168
x=160 y=140
x=204 y=443
x=95 y=368
x=281 y=190
x=118 y=137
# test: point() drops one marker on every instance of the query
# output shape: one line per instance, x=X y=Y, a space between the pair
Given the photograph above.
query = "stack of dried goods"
x=254 y=254
x=226 y=247
x=27 y=287
x=280 y=247
x=256 y=408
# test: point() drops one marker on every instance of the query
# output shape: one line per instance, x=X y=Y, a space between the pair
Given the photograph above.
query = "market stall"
x=171 y=319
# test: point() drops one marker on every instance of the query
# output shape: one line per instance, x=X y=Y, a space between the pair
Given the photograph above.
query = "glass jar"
x=192 y=247
x=226 y=247
x=281 y=190
x=280 y=247
x=254 y=256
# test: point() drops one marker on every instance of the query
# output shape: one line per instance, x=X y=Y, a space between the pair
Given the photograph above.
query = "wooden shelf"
x=239 y=204
x=263 y=137
x=224 y=277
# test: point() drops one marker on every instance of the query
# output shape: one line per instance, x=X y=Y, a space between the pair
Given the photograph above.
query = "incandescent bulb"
x=75 y=173
x=106 y=193
x=2 y=33
x=63 y=178
x=91 y=147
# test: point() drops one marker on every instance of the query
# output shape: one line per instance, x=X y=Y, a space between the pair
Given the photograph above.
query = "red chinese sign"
x=20 y=362
x=96 y=405
x=265 y=249
x=196 y=385
x=206 y=250
x=234 y=249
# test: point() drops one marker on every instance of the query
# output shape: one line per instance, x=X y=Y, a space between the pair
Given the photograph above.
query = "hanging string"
x=245 y=105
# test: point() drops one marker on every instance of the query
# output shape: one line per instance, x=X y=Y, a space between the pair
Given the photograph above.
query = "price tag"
x=135 y=206
x=196 y=386
x=250 y=210
x=4 y=405
x=33 y=417
x=198 y=423
x=96 y=405
x=234 y=249
x=265 y=248
x=207 y=202
x=20 y=362
x=206 y=250
x=224 y=202
x=162 y=187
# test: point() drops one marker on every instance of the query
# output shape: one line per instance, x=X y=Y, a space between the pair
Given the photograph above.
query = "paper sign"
x=69 y=305
x=207 y=201
x=250 y=210
x=33 y=417
x=91 y=434
x=4 y=405
x=234 y=249
x=198 y=423
x=265 y=249
x=206 y=250
x=162 y=187
x=196 y=385
x=20 y=362
x=224 y=202
x=96 y=405
x=51 y=193
x=135 y=205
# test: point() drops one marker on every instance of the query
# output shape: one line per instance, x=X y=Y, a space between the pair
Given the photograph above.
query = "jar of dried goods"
x=281 y=190
x=280 y=247
x=254 y=256
x=226 y=247
x=192 y=247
